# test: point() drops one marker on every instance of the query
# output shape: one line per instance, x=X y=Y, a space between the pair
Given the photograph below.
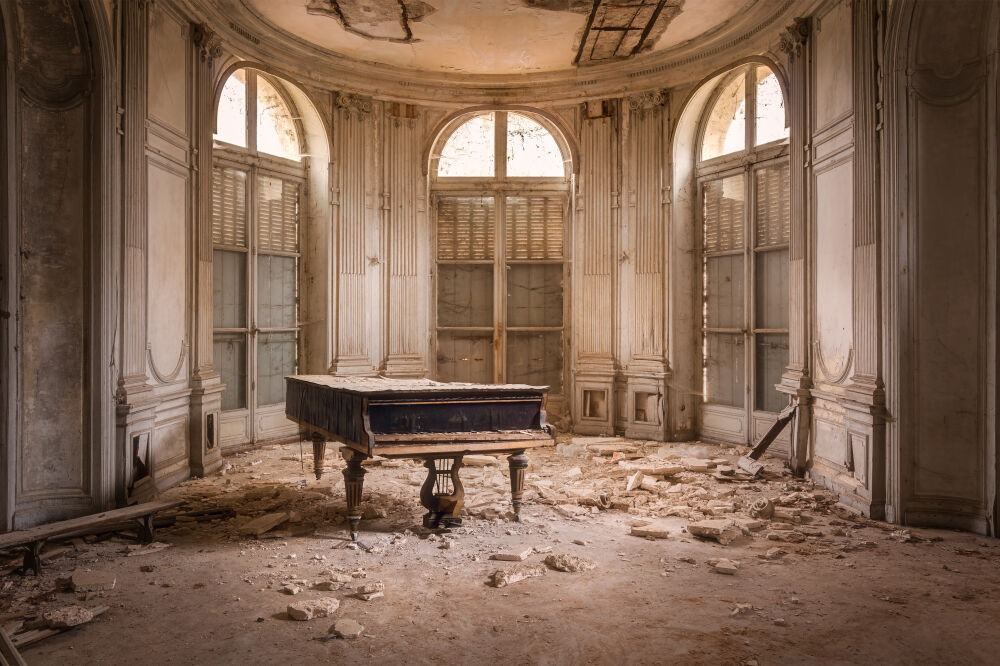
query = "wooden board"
x=74 y=525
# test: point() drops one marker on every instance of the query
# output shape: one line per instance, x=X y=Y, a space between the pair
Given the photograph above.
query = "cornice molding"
x=753 y=31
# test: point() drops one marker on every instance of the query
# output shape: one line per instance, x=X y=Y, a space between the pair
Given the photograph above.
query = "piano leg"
x=319 y=454
x=518 y=463
x=354 y=482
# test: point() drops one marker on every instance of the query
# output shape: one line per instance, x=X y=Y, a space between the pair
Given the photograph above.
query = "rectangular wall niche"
x=595 y=404
x=646 y=407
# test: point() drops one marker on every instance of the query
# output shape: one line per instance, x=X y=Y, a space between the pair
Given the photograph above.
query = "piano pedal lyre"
x=442 y=493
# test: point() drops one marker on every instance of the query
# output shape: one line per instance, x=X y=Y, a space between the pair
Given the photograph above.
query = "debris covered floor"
x=795 y=579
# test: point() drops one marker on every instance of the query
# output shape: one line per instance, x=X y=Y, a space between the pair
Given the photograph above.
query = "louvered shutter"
x=534 y=227
x=773 y=206
x=465 y=228
x=229 y=207
x=724 y=214
x=277 y=215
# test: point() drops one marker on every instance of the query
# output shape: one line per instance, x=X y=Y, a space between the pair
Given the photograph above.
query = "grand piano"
x=419 y=418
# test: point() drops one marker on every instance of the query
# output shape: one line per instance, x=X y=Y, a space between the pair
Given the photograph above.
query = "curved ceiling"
x=477 y=37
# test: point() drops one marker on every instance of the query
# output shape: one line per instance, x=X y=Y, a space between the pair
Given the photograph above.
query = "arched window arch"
x=501 y=184
x=742 y=178
x=258 y=179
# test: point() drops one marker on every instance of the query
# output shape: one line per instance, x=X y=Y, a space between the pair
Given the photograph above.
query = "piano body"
x=419 y=418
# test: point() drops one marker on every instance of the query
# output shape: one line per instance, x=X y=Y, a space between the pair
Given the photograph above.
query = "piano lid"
x=386 y=386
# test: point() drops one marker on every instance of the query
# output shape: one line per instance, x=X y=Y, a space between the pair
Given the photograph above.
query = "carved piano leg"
x=319 y=454
x=441 y=505
x=518 y=463
x=354 y=482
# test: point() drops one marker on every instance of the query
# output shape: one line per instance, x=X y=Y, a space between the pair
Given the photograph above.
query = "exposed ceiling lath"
x=618 y=29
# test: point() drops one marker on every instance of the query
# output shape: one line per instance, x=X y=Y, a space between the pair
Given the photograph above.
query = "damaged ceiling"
x=495 y=36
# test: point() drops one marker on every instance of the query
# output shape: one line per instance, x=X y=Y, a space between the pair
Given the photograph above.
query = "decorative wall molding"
x=167 y=377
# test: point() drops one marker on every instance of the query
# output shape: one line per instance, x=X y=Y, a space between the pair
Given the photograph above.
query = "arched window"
x=257 y=180
x=501 y=269
x=744 y=211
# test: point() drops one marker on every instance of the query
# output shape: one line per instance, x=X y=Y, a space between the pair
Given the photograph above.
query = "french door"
x=745 y=225
x=255 y=228
x=500 y=275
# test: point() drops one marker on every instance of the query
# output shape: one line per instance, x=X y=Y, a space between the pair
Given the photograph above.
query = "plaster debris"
x=569 y=563
x=313 y=608
x=346 y=628
x=67 y=616
x=762 y=508
x=511 y=575
x=519 y=555
x=85 y=580
x=655 y=530
x=773 y=554
x=719 y=529
x=724 y=566
x=290 y=588
x=478 y=461
x=370 y=591
x=263 y=524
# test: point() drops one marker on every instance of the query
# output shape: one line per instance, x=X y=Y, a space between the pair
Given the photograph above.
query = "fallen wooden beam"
x=750 y=462
x=32 y=636
x=9 y=656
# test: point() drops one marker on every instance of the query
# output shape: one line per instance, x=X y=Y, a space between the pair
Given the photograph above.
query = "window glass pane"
x=723 y=214
x=465 y=357
x=465 y=227
x=277 y=356
x=277 y=214
x=535 y=295
x=772 y=289
x=465 y=295
x=535 y=358
x=724 y=291
x=468 y=152
x=230 y=355
x=532 y=151
x=725 y=131
x=276 y=291
x=535 y=227
x=770 y=120
x=231 y=121
x=229 y=289
x=276 y=133
x=772 y=357
x=724 y=370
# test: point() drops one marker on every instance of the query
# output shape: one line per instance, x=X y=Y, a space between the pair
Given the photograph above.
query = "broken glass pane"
x=231 y=121
x=532 y=151
x=468 y=152
x=229 y=351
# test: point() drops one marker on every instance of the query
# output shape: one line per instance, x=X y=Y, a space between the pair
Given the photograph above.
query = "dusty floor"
x=850 y=591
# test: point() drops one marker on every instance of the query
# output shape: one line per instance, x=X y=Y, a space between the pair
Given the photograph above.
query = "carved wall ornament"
x=794 y=37
x=647 y=100
x=167 y=377
x=834 y=377
x=208 y=42
x=351 y=102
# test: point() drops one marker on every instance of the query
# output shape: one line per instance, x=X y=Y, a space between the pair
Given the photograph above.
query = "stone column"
x=796 y=380
x=206 y=394
x=595 y=272
x=134 y=399
x=642 y=301
x=865 y=398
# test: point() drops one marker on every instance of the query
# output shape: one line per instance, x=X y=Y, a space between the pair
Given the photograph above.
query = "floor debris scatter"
x=668 y=547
